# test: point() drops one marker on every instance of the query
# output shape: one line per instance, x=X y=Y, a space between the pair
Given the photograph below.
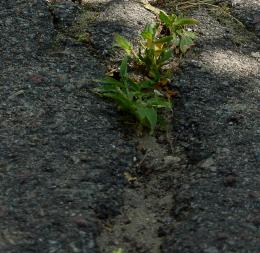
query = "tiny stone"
x=213 y=169
x=222 y=236
x=196 y=64
x=226 y=83
x=80 y=221
x=75 y=159
x=253 y=195
x=74 y=248
x=256 y=222
x=171 y=160
x=211 y=250
x=126 y=220
x=2 y=211
x=255 y=54
x=37 y=79
x=84 y=157
x=82 y=84
x=207 y=163
x=161 y=139
x=69 y=87
x=230 y=180
x=162 y=232
x=257 y=155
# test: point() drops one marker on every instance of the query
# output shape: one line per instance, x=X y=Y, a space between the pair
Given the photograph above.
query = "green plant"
x=160 y=42
x=138 y=98
x=154 y=52
x=176 y=26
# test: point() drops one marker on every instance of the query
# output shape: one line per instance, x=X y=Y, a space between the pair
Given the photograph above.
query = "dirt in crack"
x=147 y=201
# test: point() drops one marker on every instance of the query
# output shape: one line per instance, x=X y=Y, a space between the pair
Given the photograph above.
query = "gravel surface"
x=74 y=179
x=219 y=128
x=62 y=151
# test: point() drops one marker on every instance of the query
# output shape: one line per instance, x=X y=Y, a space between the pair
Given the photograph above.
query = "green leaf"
x=122 y=100
x=165 y=56
x=165 y=18
x=173 y=17
x=146 y=84
x=162 y=122
x=105 y=88
x=133 y=85
x=108 y=84
x=140 y=55
x=189 y=34
x=123 y=43
x=185 y=44
x=175 y=40
x=154 y=73
x=151 y=115
x=185 y=21
x=119 y=250
x=148 y=57
x=149 y=32
x=165 y=39
x=123 y=68
x=147 y=116
x=110 y=80
x=159 y=102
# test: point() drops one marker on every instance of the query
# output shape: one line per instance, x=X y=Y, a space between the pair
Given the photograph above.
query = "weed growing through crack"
x=143 y=97
x=137 y=98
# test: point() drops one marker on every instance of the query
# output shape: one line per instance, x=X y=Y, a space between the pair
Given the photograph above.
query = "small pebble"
x=256 y=222
x=206 y=164
x=162 y=232
x=211 y=250
x=254 y=195
x=230 y=180
x=221 y=236
x=168 y=160
x=255 y=54
x=80 y=221
x=257 y=155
